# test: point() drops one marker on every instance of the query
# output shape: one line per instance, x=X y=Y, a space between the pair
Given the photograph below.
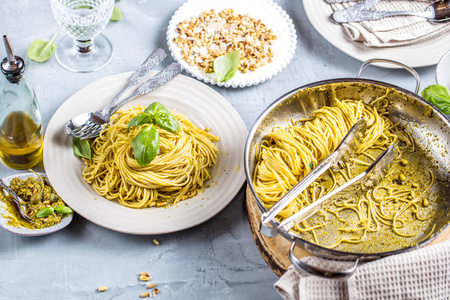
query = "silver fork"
x=369 y=178
x=77 y=125
x=98 y=123
x=19 y=201
x=345 y=148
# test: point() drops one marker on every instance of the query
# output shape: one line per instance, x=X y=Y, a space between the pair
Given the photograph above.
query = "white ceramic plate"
x=417 y=55
x=23 y=230
x=270 y=13
x=201 y=104
x=443 y=71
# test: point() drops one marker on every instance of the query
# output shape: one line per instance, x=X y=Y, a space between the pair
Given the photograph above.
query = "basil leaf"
x=116 y=15
x=146 y=145
x=41 y=50
x=81 y=148
x=156 y=108
x=163 y=117
x=438 y=95
x=311 y=165
x=139 y=120
x=225 y=66
x=44 y=212
x=168 y=122
x=62 y=209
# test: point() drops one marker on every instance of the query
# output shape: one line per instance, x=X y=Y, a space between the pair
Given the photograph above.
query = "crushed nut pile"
x=202 y=39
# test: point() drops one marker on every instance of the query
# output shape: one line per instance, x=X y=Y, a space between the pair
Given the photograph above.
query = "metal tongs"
x=371 y=177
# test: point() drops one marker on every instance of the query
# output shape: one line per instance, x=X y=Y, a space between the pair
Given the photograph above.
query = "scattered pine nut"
x=102 y=288
x=145 y=295
x=156 y=291
x=156 y=242
x=151 y=285
x=145 y=274
x=144 y=278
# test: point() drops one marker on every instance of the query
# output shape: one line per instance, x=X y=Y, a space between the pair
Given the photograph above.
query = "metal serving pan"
x=428 y=126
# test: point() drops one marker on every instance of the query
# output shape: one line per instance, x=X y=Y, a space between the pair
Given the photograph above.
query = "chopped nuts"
x=151 y=285
x=156 y=242
x=404 y=162
x=145 y=295
x=102 y=288
x=144 y=278
x=204 y=38
x=156 y=291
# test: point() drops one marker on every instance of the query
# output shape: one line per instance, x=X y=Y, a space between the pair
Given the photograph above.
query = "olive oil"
x=20 y=118
x=20 y=141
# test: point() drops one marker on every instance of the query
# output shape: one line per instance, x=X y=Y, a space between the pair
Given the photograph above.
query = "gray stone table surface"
x=215 y=260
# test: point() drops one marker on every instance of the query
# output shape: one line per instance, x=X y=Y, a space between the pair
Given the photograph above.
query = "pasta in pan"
x=398 y=203
x=177 y=173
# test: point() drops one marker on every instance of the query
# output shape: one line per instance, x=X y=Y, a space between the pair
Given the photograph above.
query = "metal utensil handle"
x=154 y=59
x=317 y=271
x=346 y=146
x=352 y=14
x=152 y=84
x=408 y=68
x=291 y=195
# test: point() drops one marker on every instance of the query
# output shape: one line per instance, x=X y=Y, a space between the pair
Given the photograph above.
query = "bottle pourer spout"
x=10 y=63
x=9 y=50
x=12 y=66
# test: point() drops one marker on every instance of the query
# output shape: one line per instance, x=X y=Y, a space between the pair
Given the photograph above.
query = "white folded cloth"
x=393 y=31
x=420 y=274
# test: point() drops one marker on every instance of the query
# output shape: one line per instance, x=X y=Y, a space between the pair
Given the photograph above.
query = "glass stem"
x=84 y=46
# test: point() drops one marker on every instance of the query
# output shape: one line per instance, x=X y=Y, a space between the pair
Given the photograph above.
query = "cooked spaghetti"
x=397 y=204
x=177 y=173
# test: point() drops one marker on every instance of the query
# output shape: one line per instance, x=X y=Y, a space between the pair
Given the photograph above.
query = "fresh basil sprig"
x=163 y=117
x=139 y=120
x=439 y=95
x=146 y=145
x=158 y=114
x=226 y=66
x=81 y=148
x=47 y=211
x=62 y=209
x=41 y=50
x=116 y=15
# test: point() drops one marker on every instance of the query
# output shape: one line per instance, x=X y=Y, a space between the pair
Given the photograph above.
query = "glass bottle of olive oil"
x=20 y=118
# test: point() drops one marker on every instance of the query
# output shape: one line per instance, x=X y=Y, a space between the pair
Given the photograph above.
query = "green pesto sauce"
x=36 y=198
x=384 y=239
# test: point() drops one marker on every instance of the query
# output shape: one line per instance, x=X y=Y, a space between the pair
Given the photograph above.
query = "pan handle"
x=408 y=68
x=316 y=271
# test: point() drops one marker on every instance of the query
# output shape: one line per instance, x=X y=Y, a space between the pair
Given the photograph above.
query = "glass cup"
x=84 y=49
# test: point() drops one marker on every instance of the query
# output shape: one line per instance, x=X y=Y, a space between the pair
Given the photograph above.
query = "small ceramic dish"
x=23 y=230
x=443 y=71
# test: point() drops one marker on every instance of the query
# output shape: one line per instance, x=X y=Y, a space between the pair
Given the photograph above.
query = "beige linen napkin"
x=420 y=274
x=393 y=31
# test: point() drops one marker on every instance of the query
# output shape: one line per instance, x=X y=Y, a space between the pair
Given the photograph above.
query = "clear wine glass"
x=84 y=49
